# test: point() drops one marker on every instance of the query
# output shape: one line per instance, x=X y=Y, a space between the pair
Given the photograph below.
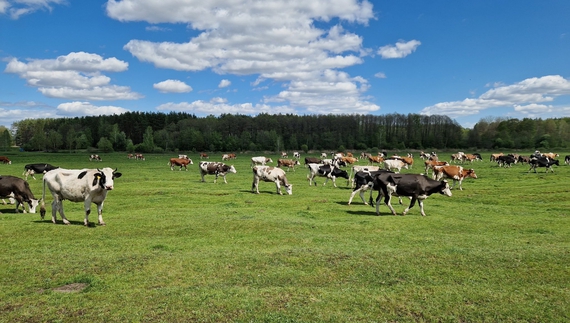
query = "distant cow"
x=228 y=156
x=567 y=160
x=78 y=185
x=284 y=154
x=375 y=159
x=5 y=160
x=182 y=162
x=313 y=160
x=204 y=155
x=543 y=162
x=430 y=164
x=289 y=163
x=297 y=155
x=95 y=157
x=260 y=160
x=19 y=190
x=31 y=169
x=271 y=174
x=323 y=155
x=396 y=164
x=506 y=160
x=183 y=156
x=217 y=169
x=416 y=186
x=456 y=173
x=140 y=157
x=327 y=171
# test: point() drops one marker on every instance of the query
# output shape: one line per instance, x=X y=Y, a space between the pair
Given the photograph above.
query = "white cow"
x=260 y=160
x=397 y=164
x=216 y=168
x=296 y=154
x=271 y=174
x=78 y=185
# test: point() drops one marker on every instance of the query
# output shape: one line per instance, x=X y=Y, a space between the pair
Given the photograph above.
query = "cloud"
x=217 y=106
x=172 y=86
x=224 y=83
x=275 y=40
x=157 y=28
x=17 y=8
x=380 y=75
x=400 y=50
x=87 y=109
x=525 y=97
x=76 y=76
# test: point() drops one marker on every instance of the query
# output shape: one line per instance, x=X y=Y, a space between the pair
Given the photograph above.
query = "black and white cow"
x=416 y=186
x=95 y=157
x=31 y=169
x=271 y=174
x=217 y=169
x=364 y=181
x=78 y=185
x=567 y=160
x=328 y=171
x=18 y=189
x=543 y=162
x=506 y=161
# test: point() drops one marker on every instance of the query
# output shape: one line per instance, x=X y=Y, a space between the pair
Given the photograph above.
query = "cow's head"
x=445 y=189
x=33 y=203
x=232 y=169
x=289 y=189
x=104 y=178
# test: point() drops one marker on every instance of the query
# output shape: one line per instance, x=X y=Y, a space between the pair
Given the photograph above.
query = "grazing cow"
x=457 y=173
x=31 y=169
x=430 y=164
x=397 y=164
x=225 y=157
x=5 y=160
x=543 y=162
x=327 y=171
x=416 y=186
x=375 y=159
x=289 y=163
x=18 y=189
x=323 y=155
x=78 y=185
x=296 y=154
x=95 y=157
x=130 y=156
x=283 y=154
x=182 y=162
x=567 y=160
x=506 y=161
x=313 y=160
x=215 y=168
x=260 y=160
x=139 y=157
x=271 y=174
x=204 y=155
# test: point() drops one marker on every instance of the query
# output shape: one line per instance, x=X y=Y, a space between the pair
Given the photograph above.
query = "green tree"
x=105 y=145
x=147 y=145
x=70 y=138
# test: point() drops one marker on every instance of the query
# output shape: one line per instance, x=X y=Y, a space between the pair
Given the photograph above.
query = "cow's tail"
x=43 y=205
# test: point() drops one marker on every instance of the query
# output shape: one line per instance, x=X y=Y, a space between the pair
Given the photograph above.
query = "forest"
x=150 y=132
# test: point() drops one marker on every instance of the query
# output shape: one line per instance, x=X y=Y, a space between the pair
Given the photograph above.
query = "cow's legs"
x=255 y=185
x=57 y=206
x=412 y=203
x=100 y=213
x=278 y=187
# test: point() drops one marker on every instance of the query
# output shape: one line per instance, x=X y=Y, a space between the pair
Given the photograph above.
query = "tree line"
x=154 y=132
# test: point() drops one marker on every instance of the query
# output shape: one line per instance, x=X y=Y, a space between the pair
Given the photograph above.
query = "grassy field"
x=178 y=250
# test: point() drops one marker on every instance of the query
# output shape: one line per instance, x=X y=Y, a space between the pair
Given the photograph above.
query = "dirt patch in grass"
x=71 y=288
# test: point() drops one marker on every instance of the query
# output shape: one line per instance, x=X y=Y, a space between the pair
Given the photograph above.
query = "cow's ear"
x=82 y=174
x=117 y=175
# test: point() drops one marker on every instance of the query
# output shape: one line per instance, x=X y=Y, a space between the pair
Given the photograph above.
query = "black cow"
x=506 y=160
x=31 y=169
x=416 y=186
x=327 y=171
x=543 y=162
x=17 y=188
x=313 y=160
x=478 y=156
x=364 y=181
x=567 y=160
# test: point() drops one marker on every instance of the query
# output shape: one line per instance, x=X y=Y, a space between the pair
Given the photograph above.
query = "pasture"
x=178 y=250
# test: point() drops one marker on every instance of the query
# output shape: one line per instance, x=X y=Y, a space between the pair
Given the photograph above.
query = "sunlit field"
x=176 y=249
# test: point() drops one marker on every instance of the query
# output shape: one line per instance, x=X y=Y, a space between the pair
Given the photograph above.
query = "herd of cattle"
x=92 y=185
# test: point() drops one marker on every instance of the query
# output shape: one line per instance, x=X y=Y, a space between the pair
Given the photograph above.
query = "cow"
x=140 y=157
x=506 y=161
x=216 y=168
x=375 y=159
x=364 y=155
x=416 y=186
x=5 y=160
x=397 y=164
x=430 y=164
x=550 y=155
x=313 y=160
x=183 y=156
x=289 y=163
x=260 y=160
x=130 y=156
x=228 y=156
x=18 y=189
x=456 y=173
x=182 y=162
x=297 y=155
x=494 y=157
x=323 y=155
x=478 y=156
x=95 y=157
x=543 y=162
x=349 y=160
x=363 y=181
x=524 y=159
x=327 y=171
x=31 y=169
x=567 y=160
x=204 y=155
x=357 y=168
x=284 y=154
x=271 y=174
x=78 y=185
x=409 y=160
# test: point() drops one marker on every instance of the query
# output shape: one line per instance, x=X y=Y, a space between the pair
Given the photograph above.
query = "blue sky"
x=470 y=60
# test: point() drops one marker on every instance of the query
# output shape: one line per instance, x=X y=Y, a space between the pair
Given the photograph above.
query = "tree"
x=147 y=145
x=105 y=145
x=70 y=138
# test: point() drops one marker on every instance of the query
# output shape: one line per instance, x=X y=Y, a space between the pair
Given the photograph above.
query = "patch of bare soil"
x=71 y=288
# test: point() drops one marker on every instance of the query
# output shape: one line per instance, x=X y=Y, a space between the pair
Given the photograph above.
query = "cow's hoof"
x=102 y=223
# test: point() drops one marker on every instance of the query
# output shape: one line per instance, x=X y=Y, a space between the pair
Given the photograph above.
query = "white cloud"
x=172 y=86
x=400 y=50
x=76 y=76
x=87 y=109
x=218 y=106
x=224 y=83
x=276 y=40
x=525 y=97
x=380 y=75
x=17 y=8
x=157 y=28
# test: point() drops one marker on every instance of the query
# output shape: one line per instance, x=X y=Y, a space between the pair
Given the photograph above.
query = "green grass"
x=178 y=250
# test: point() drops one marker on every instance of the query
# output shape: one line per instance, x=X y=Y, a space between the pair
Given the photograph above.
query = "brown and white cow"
x=408 y=161
x=131 y=156
x=289 y=163
x=217 y=169
x=18 y=189
x=284 y=154
x=95 y=157
x=494 y=157
x=271 y=174
x=375 y=159
x=454 y=172
x=5 y=160
x=260 y=160
x=551 y=155
x=204 y=155
x=140 y=157
x=182 y=162
x=430 y=164
x=349 y=160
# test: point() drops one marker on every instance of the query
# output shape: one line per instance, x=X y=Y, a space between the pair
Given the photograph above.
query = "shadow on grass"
x=71 y=222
